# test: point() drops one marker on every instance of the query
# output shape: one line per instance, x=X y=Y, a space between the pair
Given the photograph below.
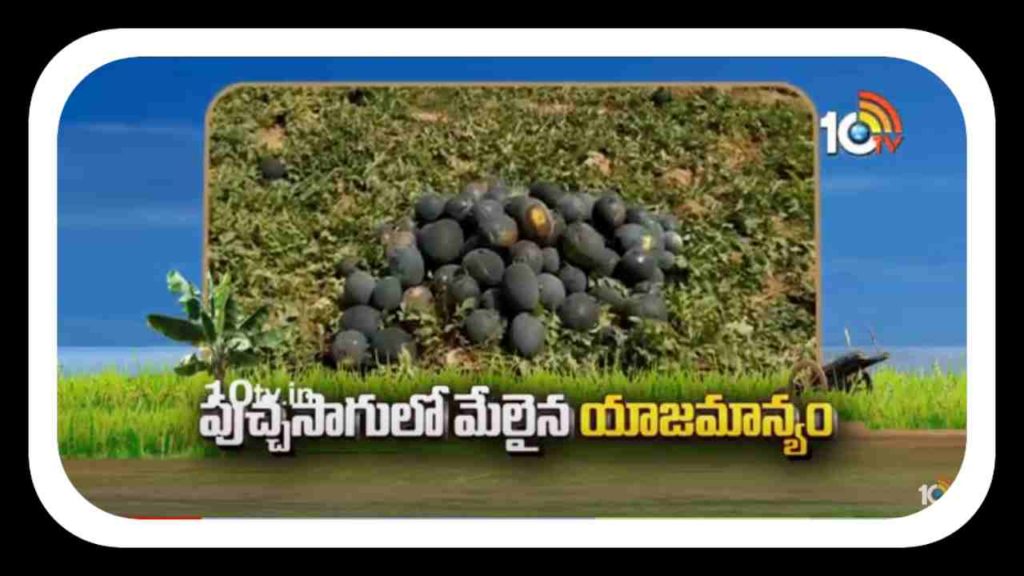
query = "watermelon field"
x=631 y=227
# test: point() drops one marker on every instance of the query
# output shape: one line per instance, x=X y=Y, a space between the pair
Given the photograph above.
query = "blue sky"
x=130 y=161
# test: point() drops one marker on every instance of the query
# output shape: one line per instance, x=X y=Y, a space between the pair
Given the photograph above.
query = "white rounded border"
x=944 y=59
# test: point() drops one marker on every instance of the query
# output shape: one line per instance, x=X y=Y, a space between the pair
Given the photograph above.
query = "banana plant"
x=215 y=326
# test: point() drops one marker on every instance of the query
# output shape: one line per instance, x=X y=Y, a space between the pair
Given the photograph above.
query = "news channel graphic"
x=930 y=493
x=239 y=411
x=362 y=265
x=875 y=127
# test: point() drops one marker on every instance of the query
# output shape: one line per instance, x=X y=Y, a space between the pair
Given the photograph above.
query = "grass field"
x=154 y=415
x=131 y=446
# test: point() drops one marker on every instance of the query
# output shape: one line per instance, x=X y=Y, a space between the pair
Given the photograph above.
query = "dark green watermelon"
x=273 y=168
x=430 y=207
x=500 y=232
x=528 y=253
x=582 y=245
x=547 y=192
x=441 y=241
x=519 y=287
x=359 y=287
x=485 y=266
x=637 y=265
x=407 y=264
x=572 y=208
x=552 y=291
x=609 y=213
x=526 y=335
x=361 y=319
x=350 y=349
x=483 y=326
x=390 y=344
x=387 y=294
x=574 y=279
x=552 y=261
x=579 y=311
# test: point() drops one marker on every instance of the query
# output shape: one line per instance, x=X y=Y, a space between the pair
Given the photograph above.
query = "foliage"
x=216 y=326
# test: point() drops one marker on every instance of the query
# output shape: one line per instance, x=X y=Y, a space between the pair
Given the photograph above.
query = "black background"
x=32 y=44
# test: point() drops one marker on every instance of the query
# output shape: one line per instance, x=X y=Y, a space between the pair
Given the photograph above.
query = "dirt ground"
x=860 y=473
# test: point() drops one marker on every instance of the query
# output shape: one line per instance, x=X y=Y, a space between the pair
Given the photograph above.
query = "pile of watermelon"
x=504 y=258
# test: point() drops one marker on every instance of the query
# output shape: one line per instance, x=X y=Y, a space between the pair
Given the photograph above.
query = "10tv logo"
x=874 y=127
x=932 y=492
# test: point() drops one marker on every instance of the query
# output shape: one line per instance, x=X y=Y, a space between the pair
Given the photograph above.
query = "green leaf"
x=268 y=339
x=204 y=354
x=239 y=343
x=190 y=365
x=221 y=295
x=740 y=327
x=231 y=314
x=193 y=308
x=176 y=329
x=188 y=294
x=209 y=329
x=246 y=358
x=210 y=287
x=211 y=304
x=177 y=284
x=255 y=320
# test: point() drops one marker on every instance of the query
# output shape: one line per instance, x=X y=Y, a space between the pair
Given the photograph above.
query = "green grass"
x=919 y=400
x=115 y=415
